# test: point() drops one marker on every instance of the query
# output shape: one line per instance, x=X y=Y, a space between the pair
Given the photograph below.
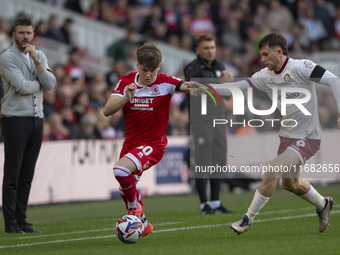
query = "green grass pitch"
x=287 y=225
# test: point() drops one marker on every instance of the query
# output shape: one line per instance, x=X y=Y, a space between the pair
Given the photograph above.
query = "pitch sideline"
x=158 y=231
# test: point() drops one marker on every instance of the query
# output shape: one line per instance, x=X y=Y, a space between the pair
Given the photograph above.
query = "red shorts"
x=304 y=148
x=144 y=156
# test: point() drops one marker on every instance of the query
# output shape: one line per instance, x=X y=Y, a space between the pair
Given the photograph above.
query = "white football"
x=129 y=229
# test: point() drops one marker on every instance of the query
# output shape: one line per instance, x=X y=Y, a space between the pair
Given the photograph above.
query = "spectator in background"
x=69 y=121
x=97 y=92
x=220 y=11
x=49 y=102
x=313 y=27
x=187 y=42
x=120 y=49
x=260 y=17
x=184 y=9
x=153 y=25
x=80 y=105
x=57 y=3
x=88 y=127
x=78 y=85
x=107 y=131
x=41 y=28
x=74 y=67
x=74 y=5
x=323 y=14
x=232 y=36
x=171 y=17
x=53 y=31
x=280 y=18
x=93 y=12
x=118 y=69
x=202 y=22
x=105 y=12
x=337 y=28
x=65 y=96
x=66 y=31
x=57 y=130
x=60 y=74
x=121 y=12
x=46 y=132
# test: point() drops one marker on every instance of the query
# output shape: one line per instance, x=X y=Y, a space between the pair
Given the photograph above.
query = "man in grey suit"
x=25 y=73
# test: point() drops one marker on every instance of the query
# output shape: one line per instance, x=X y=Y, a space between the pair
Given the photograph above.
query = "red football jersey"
x=147 y=113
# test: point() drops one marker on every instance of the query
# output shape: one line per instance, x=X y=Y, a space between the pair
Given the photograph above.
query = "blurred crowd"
x=73 y=109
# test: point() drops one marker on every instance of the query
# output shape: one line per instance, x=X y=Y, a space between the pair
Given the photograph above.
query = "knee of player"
x=289 y=185
x=121 y=171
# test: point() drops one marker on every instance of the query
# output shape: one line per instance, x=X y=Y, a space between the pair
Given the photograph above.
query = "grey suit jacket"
x=23 y=94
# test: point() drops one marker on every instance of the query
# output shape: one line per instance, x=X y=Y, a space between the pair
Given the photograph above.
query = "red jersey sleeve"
x=122 y=83
x=120 y=88
x=174 y=81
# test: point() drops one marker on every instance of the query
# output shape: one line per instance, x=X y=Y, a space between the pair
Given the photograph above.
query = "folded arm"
x=13 y=74
x=116 y=103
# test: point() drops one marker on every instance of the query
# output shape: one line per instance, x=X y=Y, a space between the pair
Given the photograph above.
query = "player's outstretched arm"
x=223 y=89
x=115 y=103
x=191 y=88
x=333 y=81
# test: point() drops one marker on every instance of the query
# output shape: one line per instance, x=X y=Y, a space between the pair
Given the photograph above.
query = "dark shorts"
x=304 y=148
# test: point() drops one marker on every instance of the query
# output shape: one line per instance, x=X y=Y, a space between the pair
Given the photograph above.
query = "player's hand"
x=194 y=85
x=227 y=76
x=195 y=88
x=130 y=90
x=29 y=48
x=185 y=88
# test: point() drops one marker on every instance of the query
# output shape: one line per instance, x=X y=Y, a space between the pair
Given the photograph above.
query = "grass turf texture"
x=287 y=225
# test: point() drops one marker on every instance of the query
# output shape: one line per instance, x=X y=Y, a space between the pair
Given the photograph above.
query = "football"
x=129 y=229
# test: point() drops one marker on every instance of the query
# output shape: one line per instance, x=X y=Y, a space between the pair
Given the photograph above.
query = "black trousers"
x=210 y=148
x=22 y=141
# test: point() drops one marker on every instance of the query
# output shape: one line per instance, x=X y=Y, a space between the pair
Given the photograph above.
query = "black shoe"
x=207 y=210
x=14 y=228
x=27 y=229
x=222 y=209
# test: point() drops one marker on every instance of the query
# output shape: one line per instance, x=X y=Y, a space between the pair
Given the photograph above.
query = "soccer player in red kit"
x=145 y=98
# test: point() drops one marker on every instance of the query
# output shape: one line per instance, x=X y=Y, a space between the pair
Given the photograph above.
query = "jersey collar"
x=282 y=67
x=140 y=85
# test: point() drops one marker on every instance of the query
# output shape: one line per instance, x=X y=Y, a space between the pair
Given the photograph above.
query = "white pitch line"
x=56 y=241
x=229 y=223
x=88 y=231
x=159 y=224
x=158 y=231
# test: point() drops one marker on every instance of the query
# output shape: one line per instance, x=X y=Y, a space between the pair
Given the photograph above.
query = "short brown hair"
x=23 y=21
x=274 y=39
x=149 y=56
x=205 y=37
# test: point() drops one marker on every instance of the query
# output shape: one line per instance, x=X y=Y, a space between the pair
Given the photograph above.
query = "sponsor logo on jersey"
x=154 y=90
x=309 y=64
x=142 y=104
